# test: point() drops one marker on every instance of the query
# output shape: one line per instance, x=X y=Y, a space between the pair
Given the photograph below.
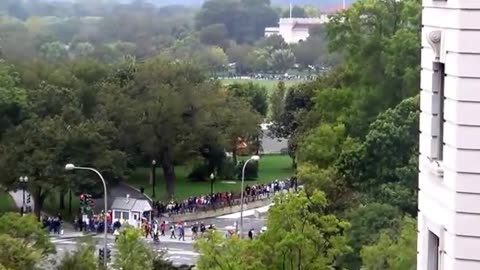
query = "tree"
x=277 y=102
x=133 y=253
x=254 y=94
x=281 y=60
x=239 y=123
x=13 y=98
x=298 y=101
x=385 y=165
x=395 y=249
x=54 y=51
x=171 y=104
x=213 y=58
x=82 y=258
x=367 y=224
x=83 y=49
x=382 y=53
x=273 y=42
x=322 y=145
x=244 y=20
x=214 y=34
x=299 y=236
x=238 y=54
x=311 y=51
x=23 y=242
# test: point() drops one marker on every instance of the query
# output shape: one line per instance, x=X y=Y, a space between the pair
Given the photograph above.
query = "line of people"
x=223 y=199
x=154 y=230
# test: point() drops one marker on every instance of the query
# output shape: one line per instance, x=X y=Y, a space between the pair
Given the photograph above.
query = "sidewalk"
x=17 y=197
x=71 y=234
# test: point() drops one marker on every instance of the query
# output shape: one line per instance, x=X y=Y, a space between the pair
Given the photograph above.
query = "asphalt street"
x=179 y=252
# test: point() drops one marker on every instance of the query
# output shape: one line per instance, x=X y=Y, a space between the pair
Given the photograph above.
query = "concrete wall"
x=219 y=212
x=449 y=195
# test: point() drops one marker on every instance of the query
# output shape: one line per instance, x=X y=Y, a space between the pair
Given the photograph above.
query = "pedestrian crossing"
x=170 y=253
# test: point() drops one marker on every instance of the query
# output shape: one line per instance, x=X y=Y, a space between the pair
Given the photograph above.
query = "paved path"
x=17 y=197
x=179 y=252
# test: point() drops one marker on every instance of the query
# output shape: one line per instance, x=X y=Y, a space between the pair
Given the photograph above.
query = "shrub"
x=200 y=172
x=227 y=170
x=251 y=170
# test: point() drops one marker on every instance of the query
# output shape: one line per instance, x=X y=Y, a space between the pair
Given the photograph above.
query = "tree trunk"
x=169 y=174
x=234 y=156
x=70 y=201
x=39 y=199
x=61 y=200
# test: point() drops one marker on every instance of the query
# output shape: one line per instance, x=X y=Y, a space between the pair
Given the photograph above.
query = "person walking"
x=195 y=231
x=172 y=232
x=181 y=230
x=251 y=234
x=163 y=228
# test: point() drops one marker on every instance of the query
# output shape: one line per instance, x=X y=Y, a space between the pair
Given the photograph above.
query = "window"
x=125 y=216
x=438 y=82
x=116 y=215
x=433 y=251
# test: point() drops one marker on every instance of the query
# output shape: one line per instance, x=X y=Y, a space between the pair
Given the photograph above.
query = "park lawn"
x=6 y=202
x=270 y=85
x=271 y=167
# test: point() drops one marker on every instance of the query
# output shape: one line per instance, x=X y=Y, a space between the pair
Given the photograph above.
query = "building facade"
x=449 y=161
x=294 y=30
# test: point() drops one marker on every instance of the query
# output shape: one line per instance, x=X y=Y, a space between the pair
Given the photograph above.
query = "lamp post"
x=254 y=158
x=153 y=177
x=23 y=183
x=212 y=180
x=71 y=167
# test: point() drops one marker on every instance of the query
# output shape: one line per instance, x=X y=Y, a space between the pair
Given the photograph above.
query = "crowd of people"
x=53 y=224
x=222 y=199
x=94 y=223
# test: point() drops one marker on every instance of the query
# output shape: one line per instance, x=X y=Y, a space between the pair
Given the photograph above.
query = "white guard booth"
x=131 y=211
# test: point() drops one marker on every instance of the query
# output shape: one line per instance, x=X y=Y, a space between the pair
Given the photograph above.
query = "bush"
x=251 y=171
x=228 y=170
x=200 y=172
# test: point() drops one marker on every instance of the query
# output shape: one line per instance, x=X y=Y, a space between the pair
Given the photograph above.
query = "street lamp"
x=153 y=177
x=71 y=167
x=23 y=184
x=212 y=180
x=254 y=158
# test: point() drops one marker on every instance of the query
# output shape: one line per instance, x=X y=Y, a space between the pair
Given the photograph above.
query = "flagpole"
x=292 y=8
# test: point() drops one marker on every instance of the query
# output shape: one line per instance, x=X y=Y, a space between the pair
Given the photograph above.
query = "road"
x=179 y=252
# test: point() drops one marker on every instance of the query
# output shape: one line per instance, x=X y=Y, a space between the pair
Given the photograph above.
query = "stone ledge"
x=219 y=212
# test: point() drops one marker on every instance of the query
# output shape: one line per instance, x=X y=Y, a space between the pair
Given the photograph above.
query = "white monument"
x=294 y=30
x=449 y=177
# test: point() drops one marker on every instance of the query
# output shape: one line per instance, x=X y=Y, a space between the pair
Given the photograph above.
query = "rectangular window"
x=116 y=215
x=125 y=216
x=433 y=251
x=438 y=84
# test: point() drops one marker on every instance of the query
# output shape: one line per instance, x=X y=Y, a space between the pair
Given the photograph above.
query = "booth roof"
x=135 y=205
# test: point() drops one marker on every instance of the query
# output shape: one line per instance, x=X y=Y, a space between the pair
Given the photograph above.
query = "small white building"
x=130 y=210
x=294 y=30
x=449 y=177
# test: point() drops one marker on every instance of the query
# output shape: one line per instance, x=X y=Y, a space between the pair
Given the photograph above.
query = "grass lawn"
x=271 y=167
x=6 y=202
x=270 y=85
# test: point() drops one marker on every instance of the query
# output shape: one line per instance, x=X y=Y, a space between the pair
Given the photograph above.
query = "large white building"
x=449 y=177
x=294 y=30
